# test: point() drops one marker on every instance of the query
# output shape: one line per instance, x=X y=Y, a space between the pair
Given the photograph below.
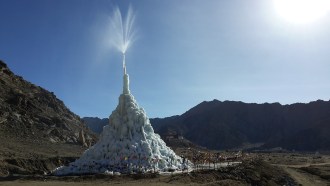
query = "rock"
x=82 y=140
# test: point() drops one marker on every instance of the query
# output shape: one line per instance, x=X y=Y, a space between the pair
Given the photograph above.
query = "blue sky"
x=186 y=52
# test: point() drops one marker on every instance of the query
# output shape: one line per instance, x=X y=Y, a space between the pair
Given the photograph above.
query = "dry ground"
x=159 y=181
x=275 y=169
x=305 y=169
x=255 y=172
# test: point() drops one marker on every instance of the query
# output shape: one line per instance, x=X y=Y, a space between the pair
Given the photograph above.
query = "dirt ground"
x=265 y=169
x=161 y=181
x=306 y=169
x=254 y=172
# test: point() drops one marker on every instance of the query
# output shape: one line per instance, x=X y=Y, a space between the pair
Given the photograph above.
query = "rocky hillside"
x=33 y=115
x=229 y=124
x=95 y=124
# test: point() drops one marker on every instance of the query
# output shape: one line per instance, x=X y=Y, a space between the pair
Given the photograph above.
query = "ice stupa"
x=127 y=144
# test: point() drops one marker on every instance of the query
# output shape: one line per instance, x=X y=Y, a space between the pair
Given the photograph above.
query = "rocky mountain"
x=32 y=115
x=95 y=124
x=229 y=124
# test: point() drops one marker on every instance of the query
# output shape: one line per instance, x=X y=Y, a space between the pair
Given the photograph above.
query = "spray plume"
x=122 y=30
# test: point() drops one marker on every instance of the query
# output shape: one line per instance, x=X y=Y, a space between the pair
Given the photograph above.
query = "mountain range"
x=237 y=125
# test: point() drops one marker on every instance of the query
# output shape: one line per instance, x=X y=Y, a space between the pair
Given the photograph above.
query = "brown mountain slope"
x=33 y=122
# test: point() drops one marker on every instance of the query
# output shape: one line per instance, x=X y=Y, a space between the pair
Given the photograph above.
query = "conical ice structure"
x=127 y=144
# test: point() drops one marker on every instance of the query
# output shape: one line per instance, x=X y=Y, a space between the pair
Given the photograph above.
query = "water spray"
x=123 y=33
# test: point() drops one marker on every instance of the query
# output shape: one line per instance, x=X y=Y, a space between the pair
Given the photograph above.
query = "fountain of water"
x=123 y=32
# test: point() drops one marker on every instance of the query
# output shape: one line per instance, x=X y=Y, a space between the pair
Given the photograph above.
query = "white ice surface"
x=128 y=143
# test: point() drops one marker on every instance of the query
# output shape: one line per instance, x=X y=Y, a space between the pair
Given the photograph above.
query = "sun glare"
x=302 y=11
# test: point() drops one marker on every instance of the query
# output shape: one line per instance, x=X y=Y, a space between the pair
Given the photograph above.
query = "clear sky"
x=187 y=51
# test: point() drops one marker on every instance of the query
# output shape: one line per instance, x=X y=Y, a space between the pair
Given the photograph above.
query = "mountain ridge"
x=297 y=126
x=235 y=123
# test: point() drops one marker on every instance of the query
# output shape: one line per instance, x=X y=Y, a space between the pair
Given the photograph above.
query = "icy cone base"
x=127 y=144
